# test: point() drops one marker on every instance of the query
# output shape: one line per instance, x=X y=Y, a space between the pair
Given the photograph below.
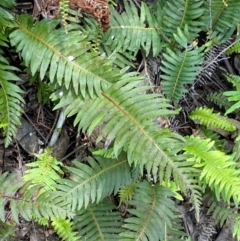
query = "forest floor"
x=39 y=122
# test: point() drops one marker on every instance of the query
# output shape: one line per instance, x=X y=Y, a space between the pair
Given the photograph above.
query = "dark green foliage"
x=90 y=78
x=180 y=67
x=93 y=182
x=99 y=222
x=152 y=213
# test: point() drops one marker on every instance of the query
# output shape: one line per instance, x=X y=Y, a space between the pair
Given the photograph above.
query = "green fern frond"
x=10 y=97
x=126 y=193
x=65 y=229
x=149 y=223
x=222 y=213
x=233 y=49
x=99 y=222
x=6 y=19
x=45 y=170
x=218 y=169
x=28 y=203
x=219 y=99
x=132 y=31
x=64 y=5
x=236 y=230
x=222 y=17
x=6 y=231
x=93 y=182
x=206 y=117
x=233 y=95
x=68 y=57
x=209 y=134
x=128 y=118
x=180 y=67
x=185 y=12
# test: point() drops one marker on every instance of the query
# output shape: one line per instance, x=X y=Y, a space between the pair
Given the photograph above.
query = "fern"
x=126 y=193
x=149 y=224
x=6 y=231
x=64 y=228
x=99 y=222
x=10 y=93
x=233 y=49
x=221 y=18
x=218 y=169
x=185 y=12
x=180 y=68
x=45 y=170
x=128 y=118
x=206 y=117
x=233 y=95
x=93 y=182
x=132 y=31
x=219 y=99
x=29 y=203
x=68 y=56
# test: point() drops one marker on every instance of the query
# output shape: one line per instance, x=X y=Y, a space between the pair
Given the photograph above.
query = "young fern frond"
x=126 y=193
x=68 y=57
x=233 y=49
x=132 y=31
x=99 y=222
x=64 y=11
x=150 y=223
x=93 y=182
x=29 y=203
x=218 y=169
x=45 y=170
x=65 y=229
x=180 y=67
x=206 y=117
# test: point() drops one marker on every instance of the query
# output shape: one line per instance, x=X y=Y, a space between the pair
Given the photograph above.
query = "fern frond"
x=64 y=10
x=234 y=49
x=68 y=57
x=28 y=203
x=233 y=95
x=65 y=229
x=180 y=67
x=45 y=170
x=222 y=17
x=219 y=99
x=128 y=118
x=222 y=213
x=206 y=117
x=99 y=222
x=10 y=99
x=93 y=182
x=149 y=224
x=185 y=12
x=218 y=169
x=6 y=231
x=6 y=19
x=126 y=193
x=132 y=31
